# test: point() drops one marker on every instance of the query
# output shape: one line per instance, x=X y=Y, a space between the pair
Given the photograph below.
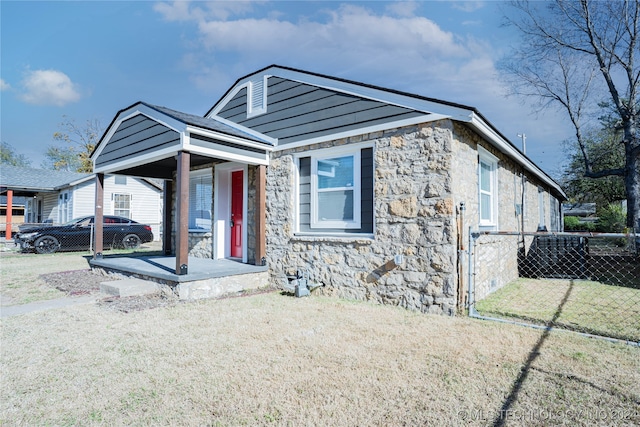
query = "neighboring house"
x=17 y=212
x=582 y=210
x=360 y=186
x=59 y=196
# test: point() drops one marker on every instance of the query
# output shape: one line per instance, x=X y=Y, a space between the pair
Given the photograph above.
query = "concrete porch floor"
x=206 y=278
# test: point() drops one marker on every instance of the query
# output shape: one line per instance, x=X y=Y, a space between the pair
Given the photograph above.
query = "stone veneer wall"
x=496 y=256
x=414 y=216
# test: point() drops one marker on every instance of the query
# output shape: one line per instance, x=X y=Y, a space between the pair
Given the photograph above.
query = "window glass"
x=485 y=207
x=122 y=205
x=200 y=200
x=335 y=173
x=485 y=176
x=335 y=206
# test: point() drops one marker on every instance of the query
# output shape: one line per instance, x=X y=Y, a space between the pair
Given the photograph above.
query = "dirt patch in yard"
x=87 y=282
x=77 y=282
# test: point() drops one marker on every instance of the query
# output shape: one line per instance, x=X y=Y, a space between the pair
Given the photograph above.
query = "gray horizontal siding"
x=202 y=141
x=297 y=111
x=366 y=196
x=136 y=136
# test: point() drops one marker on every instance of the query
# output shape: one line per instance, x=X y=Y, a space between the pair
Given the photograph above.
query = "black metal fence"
x=588 y=283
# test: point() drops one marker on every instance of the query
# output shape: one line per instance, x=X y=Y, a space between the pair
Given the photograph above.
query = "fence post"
x=471 y=267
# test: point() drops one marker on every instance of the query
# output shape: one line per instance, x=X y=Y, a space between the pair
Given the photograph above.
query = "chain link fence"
x=589 y=283
x=119 y=234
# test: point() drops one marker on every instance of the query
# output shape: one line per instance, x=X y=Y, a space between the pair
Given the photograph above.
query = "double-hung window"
x=122 y=205
x=335 y=191
x=487 y=188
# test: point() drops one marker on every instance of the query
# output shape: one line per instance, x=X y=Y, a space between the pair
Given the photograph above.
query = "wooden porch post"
x=261 y=212
x=98 y=221
x=9 y=214
x=182 y=213
x=167 y=226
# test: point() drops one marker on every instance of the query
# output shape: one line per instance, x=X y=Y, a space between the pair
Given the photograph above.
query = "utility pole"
x=524 y=142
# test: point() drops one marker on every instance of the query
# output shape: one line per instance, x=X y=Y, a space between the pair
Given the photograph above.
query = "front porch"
x=207 y=278
x=214 y=198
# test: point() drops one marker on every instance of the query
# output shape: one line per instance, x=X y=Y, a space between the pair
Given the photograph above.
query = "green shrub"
x=571 y=223
x=612 y=219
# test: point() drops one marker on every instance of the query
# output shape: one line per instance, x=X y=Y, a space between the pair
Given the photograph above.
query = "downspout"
x=472 y=308
x=461 y=296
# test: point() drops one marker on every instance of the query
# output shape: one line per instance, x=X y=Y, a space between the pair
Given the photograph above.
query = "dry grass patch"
x=579 y=305
x=21 y=280
x=272 y=359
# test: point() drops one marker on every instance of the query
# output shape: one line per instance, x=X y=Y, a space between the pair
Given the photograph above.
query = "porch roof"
x=144 y=139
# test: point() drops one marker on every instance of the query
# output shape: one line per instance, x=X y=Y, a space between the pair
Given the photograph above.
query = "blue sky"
x=87 y=60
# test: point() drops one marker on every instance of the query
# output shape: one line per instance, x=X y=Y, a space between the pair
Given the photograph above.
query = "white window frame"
x=542 y=223
x=113 y=204
x=197 y=174
x=65 y=206
x=490 y=160
x=319 y=156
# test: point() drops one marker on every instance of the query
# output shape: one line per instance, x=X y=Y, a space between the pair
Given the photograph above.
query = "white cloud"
x=187 y=11
x=395 y=49
x=4 y=85
x=402 y=8
x=468 y=6
x=49 y=87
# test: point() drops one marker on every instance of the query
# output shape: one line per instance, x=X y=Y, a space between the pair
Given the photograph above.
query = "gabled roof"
x=144 y=139
x=37 y=180
x=205 y=123
x=409 y=109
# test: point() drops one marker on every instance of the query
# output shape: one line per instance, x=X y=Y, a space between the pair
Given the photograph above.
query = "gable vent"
x=257 y=97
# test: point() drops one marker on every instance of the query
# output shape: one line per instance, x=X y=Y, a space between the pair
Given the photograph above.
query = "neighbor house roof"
x=30 y=180
x=36 y=180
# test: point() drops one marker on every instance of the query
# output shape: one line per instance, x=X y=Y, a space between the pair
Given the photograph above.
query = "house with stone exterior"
x=370 y=191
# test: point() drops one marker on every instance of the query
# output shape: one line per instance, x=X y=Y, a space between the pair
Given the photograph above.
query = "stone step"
x=129 y=287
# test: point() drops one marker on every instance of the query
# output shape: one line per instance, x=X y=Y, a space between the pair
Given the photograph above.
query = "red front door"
x=236 y=214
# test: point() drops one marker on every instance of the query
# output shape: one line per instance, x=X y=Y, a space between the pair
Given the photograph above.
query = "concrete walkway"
x=15 y=310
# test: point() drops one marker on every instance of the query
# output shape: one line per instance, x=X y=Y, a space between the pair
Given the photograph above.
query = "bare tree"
x=78 y=142
x=575 y=54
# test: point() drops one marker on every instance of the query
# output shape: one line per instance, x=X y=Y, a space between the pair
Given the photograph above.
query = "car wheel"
x=131 y=241
x=46 y=245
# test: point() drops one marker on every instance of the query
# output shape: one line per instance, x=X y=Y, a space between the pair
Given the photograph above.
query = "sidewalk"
x=15 y=310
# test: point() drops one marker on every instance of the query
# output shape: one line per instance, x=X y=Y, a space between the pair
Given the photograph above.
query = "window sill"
x=358 y=238
x=199 y=231
x=487 y=227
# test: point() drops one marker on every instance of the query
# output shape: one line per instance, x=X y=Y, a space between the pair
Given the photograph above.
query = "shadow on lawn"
x=501 y=418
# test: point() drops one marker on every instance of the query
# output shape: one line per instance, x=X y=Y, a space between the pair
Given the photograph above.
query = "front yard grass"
x=579 y=305
x=20 y=281
x=270 y=359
